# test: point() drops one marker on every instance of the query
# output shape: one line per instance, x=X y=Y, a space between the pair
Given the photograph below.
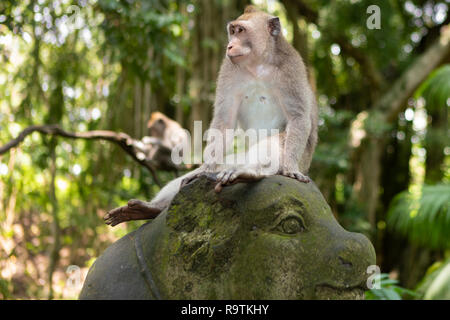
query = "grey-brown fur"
x=262 y=83
x=288 y=77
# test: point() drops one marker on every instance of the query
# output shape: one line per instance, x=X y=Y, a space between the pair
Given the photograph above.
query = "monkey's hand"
x=134 y=210
x=242 y=174
x=294 y=174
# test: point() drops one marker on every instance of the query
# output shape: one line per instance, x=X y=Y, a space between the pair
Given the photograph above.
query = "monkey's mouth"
x=328 y=292
x=235 y=56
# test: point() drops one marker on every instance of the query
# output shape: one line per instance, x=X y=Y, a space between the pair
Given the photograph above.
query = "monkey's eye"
x=231 y=30
x=291 y=225
x=240 y=29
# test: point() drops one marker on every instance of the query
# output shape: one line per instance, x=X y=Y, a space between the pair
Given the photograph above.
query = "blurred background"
x=382 y=161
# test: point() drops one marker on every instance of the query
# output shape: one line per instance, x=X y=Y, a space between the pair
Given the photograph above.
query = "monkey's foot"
x=295 y=175
x=187 y=180
x=134 y=210
x=237 y=174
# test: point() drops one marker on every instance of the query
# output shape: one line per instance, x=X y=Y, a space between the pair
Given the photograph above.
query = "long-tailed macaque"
x=167 y=130
x=262 y=84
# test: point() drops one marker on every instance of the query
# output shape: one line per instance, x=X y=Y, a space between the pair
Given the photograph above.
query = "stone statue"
x=272 y=239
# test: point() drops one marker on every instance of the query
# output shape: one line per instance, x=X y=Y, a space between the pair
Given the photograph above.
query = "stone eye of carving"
x=291 y=225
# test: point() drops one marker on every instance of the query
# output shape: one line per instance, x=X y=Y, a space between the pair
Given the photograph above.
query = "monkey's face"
x=239 y=46
x=251 y=36
x=156 y=128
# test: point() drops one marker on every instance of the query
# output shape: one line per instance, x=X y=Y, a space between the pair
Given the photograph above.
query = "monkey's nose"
x=229 y=47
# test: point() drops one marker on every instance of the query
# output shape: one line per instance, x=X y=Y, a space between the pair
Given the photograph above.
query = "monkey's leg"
x=134 y=210
x=191 y=176
x=141 y=210
x=261 y=160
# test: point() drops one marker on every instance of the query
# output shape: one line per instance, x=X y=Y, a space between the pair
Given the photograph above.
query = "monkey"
x=262 y=84
x=165 y=137
x=142 y=210
x=167 y=130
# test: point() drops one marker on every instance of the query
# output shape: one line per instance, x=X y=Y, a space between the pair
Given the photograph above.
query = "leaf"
x=424 y=219
x=436 y=88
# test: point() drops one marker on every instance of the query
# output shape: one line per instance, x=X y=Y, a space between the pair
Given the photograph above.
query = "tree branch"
x=312 y=16
x=303 y=9
x=392 y=102
x=151 y=154
x=367 y=65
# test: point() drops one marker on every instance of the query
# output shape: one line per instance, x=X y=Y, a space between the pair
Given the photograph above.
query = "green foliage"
x=389 y=290
x=436 y=283
x=345 y=22
x=332 y=153
x=92 y=76
x=436 y=89
x=4 y=289
x=133 y=27
x=424 y=217
x=55 y=71
x=376 y=125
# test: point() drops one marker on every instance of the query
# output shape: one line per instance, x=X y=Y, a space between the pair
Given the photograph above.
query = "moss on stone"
x=272 y=239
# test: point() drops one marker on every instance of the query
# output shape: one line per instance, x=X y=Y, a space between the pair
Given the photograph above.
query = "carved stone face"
x=274 y=239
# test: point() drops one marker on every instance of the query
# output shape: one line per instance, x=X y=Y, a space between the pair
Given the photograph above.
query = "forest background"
x=382 y=161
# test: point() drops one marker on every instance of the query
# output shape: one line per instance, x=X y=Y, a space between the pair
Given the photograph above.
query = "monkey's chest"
x=259 y=109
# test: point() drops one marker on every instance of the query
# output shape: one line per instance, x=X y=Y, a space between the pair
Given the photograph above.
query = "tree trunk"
x=300 y=40
x=395 y=178
x=137 y=101
x=386 y=110
x=209 y=42
x=367 y=186
x=435 y=144
x=180 y=87
x=55 y=227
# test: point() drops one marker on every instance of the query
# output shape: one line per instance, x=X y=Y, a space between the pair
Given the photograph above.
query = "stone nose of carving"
x=352 y=255
x=344 y=262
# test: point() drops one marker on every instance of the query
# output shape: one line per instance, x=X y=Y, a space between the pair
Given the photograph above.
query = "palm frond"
x=436 y=283
x=423 y=217
x=436 y=88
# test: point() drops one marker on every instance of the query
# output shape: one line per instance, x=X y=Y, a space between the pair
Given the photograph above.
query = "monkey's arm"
x=298 y=129
x=297 y=133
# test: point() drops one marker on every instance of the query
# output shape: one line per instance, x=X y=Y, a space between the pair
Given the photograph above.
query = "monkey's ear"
x=274 y=26
x=250 y=9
